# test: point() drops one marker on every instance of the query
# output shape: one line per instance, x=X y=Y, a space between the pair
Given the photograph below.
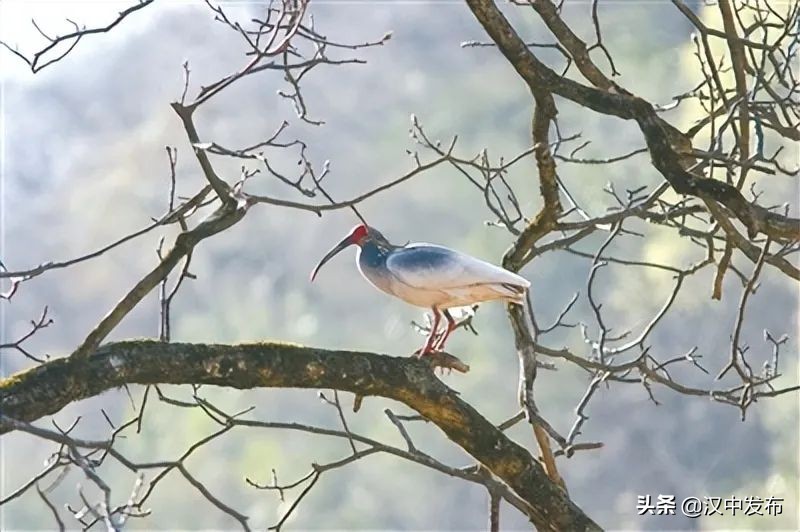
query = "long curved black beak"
x=346 y=242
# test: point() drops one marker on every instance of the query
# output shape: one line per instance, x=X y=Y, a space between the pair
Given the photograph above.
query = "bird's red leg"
x=451 y=325
x=428 y=347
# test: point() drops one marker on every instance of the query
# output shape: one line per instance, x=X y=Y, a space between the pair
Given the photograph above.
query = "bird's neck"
x=372 y=255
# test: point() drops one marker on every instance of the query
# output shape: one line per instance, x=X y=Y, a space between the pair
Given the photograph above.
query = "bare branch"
x=404 y=379
x=39 y=60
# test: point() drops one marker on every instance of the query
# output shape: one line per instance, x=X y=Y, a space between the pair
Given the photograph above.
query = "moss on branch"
x=45 y=389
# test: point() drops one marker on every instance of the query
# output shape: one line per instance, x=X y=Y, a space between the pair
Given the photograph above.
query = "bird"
x=428 y=276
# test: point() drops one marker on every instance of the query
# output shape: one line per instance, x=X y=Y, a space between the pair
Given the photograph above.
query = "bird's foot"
x=422 y=351
x=443 y=360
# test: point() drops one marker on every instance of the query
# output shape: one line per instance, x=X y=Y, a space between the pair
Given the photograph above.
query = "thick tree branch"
x=662 y=138
x=47 y=388
x=575 y=46
x=739 y=67
x=545 y=221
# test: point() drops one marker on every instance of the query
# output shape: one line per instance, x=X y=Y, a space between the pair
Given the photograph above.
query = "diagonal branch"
x=219 y=220
x=662 y=138
x=544 y=222
x=47 y=388
x=575 y=46
x=35 y=63
x=695 y=20
x=739 y=67
x=221 y=188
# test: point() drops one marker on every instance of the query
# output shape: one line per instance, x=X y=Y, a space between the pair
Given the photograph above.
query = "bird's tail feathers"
x=516 y=293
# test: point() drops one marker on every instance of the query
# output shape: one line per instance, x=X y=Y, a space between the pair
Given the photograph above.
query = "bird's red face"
x=356 y=236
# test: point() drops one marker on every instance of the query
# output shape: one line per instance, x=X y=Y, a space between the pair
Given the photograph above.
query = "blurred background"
x=84 y=162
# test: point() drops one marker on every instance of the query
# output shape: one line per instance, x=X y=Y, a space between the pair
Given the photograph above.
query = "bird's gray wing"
x=432 y=267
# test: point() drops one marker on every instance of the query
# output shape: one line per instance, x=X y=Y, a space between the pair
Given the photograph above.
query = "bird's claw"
x=443 y=360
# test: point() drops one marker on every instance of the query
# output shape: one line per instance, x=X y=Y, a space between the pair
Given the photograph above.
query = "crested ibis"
x=429 y=276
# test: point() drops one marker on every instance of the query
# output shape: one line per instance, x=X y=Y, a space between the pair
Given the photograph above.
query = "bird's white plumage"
x=428 y=275
x=452 y=270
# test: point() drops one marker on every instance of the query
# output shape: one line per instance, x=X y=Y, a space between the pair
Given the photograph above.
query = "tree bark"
x=45 y=389
x=662 y=138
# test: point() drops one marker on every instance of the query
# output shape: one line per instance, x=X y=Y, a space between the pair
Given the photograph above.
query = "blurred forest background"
x=84 y=162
